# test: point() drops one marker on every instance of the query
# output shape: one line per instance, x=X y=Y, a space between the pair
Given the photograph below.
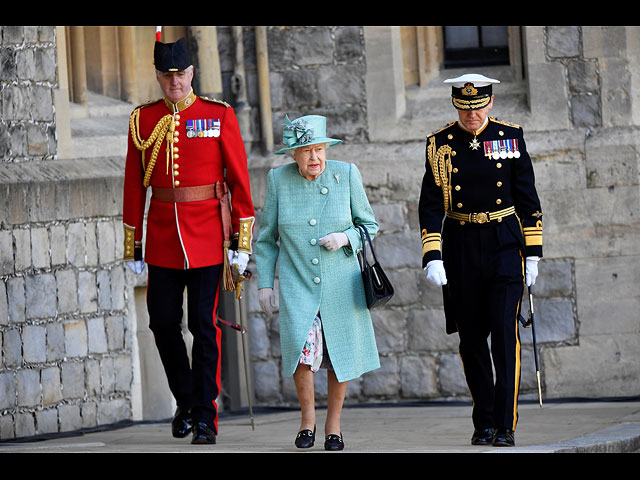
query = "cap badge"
x=469 y=89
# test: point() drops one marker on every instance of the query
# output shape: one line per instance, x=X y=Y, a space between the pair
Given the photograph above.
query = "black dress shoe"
x=203 y=434
x=306 y=438
x=333 y=442
x=482 y=436
x=181 y=423
x=504 y=437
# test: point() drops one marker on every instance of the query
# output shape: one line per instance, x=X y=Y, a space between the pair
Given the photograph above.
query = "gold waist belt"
x=482 y=217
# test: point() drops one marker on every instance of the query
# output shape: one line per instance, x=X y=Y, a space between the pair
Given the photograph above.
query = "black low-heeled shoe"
x=333 y=442
x=306 y=438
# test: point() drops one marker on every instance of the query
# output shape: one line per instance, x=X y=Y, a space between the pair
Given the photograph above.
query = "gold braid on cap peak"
x=440 y=162
x=164 y=128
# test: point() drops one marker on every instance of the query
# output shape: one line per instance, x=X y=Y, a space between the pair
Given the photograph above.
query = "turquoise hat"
x=307 y=130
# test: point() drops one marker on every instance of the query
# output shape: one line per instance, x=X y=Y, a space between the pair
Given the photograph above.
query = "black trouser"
x=197 y=386
x=485 y=271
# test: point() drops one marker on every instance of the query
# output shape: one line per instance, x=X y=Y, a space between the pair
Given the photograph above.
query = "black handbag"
x=377 y=287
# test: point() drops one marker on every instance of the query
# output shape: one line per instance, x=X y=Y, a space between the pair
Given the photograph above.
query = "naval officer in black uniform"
x=481 y=230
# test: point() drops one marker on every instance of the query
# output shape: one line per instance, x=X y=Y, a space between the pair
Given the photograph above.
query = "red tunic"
x=186 y=234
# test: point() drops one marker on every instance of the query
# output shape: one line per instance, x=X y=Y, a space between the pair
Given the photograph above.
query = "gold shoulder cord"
x=162 y=129
x=440 y=162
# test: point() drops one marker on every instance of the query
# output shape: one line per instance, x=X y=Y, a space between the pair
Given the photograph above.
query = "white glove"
x=436 y=273
x=334 y=241
x=531 y=270
x=240 y=259
x=267 y=301
x=136 y=266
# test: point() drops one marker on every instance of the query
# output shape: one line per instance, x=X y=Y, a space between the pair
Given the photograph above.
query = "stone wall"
x=65 y=358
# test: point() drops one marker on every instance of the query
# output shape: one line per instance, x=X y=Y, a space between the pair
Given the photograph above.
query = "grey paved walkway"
x=571 y=426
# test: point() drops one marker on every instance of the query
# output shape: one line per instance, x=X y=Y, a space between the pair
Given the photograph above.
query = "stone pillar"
x=208 y=79
x=385 y=81
x=128 y=58
x=78 y=65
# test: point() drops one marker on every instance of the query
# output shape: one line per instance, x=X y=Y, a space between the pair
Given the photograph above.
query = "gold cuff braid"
x=245 y=235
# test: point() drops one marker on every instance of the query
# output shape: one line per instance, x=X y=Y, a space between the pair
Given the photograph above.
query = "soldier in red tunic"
x=180 y=146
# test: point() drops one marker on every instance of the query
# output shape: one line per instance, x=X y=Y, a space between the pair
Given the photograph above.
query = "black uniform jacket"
x=466 y=173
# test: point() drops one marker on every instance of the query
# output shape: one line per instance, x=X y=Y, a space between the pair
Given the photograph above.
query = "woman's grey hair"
x=293 y=150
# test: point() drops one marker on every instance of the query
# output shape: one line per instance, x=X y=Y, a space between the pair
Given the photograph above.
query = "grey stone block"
x=12 y=347
x=55 y=342
x=96 y=335
x=75 y=338
x=418 y=376
x=72 y=375
x=34 y=343
x=40 y=294
x=28 y=387
x=6 y=252
x=70 y=417
x=7 y=392
x=51 y=386
x=67 y=288
x=25 y=425
x=22 y=240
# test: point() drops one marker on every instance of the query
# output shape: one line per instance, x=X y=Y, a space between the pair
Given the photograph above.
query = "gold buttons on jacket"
x=458 y=187
x=498 y=201
x=499 y=184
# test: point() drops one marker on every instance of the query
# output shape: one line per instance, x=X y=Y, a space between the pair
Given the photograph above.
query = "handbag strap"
x=363 y=231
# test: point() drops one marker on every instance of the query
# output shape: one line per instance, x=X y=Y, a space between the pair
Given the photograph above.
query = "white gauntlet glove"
x=435 y=273
x=136 y=266
x=240 y=259
x=531 y=270
x=334 y=241
x=267 y=301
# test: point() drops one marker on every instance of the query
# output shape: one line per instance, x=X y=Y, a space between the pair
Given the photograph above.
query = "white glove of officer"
x=267 y=301
x=436 y=273
x=136 y=266
x=531 y=270
x=240 y=259
x=334 y=241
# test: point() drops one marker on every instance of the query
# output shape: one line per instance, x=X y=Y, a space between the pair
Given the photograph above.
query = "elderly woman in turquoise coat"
x=308 y=227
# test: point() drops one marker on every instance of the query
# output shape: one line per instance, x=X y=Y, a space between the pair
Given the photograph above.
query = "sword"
x=527 y=324
x=241 y=277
